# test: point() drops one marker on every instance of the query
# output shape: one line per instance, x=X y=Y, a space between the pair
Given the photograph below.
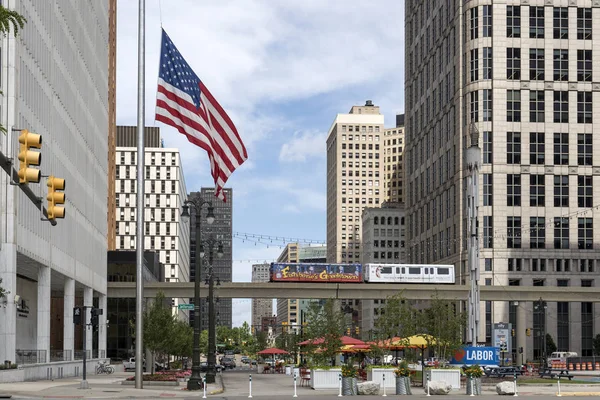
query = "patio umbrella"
x=355 y=348
x=346 y=340
x=272 y=351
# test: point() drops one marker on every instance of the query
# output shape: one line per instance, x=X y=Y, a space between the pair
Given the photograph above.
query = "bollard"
x=516 y=394
x=204 y=381
x=472 y=391
x=558 y=394
x=295 y=392
x=340 y=377
x=250 y=386
x=384 y=395
x=427 y=383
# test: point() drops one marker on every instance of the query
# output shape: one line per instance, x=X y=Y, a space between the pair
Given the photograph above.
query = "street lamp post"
x=212 y=329
x=195 y=380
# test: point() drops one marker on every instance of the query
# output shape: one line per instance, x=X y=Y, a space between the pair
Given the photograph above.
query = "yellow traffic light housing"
x=55 y=197
x=27 y=157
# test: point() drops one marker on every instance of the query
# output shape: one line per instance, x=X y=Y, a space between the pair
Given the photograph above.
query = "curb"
x=219 y=391
x=579 y=394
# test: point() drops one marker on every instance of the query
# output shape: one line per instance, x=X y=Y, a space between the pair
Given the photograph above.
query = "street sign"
x=185 y=306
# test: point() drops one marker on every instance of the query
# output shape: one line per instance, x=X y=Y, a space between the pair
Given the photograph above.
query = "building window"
x=487 y=190
x=584 y=149
x=513 y=237
x=562 y=326
x=513 y=63
x=487 y=21
x=513 y=148
x=474 y=23
x=513 y=105
x=561 y=190
x=587 y=328
x=537 y=190
x=514 y=264
x=584 y=65
x=585 y=232
x=536 y=106
x=584 y=23
x=561 y=106
x=513 y=21
x=561 y=233
x=536 y=22
x=487 y=105
x=537 y=148
x=488 y=232
x=584 y=107
x=513 y=190
x=536 y=64
x=561 y=65
x=561 y=23
x=584 y=191
x=487 y=147
x=538 y=232
x=474 y=95
x=561 y=149
x=474 y=65
x=487 y=62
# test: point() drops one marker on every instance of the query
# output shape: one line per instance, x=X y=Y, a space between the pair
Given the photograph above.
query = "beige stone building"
x=261 y=307
x=393 y=163
x=522 y=74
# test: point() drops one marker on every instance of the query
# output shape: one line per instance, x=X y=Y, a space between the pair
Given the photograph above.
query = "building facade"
x=393 y=163
x=522 y=75
x=220 y=231
x=164 y=192
x=261 y=307
x=55 y=82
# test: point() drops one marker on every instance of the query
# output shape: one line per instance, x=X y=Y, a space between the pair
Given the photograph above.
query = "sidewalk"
x=101 y=386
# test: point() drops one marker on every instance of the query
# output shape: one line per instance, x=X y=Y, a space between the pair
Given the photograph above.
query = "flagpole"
x=139 y=301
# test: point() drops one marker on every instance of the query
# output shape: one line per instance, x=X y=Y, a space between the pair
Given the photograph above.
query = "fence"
x=24 y=356
x=591 y=363
x=61 y=355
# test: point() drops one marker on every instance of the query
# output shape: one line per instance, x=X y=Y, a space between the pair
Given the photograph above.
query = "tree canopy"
x=11 y=18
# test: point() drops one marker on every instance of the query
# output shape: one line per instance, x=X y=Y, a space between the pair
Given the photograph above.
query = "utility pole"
x=473 y=159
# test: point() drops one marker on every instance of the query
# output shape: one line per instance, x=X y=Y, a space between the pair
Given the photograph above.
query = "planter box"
x=12 y=375
x=376 y=375
x=450 y=376
x=325 y=379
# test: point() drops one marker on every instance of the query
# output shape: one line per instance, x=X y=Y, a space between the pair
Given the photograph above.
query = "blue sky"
x=282 y=69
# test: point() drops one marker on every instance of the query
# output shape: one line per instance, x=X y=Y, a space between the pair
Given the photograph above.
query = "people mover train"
x=367 y=273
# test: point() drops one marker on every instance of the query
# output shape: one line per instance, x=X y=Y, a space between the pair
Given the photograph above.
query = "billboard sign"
x=501 y=336
x=316 y=272
x=476 y=355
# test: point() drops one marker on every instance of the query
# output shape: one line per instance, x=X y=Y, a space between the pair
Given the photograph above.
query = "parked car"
x=228 y=362
x=245 y=359
x=204 y=367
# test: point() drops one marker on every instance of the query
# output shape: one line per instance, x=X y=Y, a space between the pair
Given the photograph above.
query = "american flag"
x=184 y=102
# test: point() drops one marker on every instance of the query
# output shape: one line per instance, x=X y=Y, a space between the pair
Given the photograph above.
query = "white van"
x=560 y=357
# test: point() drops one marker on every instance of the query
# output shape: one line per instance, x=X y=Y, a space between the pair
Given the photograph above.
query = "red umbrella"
x=346 y=340
x=272 y=350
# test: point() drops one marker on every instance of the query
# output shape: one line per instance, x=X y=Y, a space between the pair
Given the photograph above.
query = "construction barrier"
x=571 y=367
x=577 y=367
x=589 y=366
x=597 y=366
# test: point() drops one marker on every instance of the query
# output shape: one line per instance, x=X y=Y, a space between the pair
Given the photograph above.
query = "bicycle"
x=104 y=368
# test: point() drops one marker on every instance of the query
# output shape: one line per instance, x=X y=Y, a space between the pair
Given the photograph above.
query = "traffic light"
x=95 y=314
x=28 y=157
x=357 y=330
x=55 y=197
x=347 y=331
x=512 y=332
x=528 y=331
x=77 y=315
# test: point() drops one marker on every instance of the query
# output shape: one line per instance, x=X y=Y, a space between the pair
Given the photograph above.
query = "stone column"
x=88 y=302
x=521 y=330
x=68 y=327
x=102 y=326
x=43 y=314
x=8 y=309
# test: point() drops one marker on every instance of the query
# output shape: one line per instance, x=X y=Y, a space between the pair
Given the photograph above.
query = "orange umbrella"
x=346 y=340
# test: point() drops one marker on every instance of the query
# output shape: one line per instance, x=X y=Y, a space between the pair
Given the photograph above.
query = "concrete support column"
x=43 y=313
x=88 y=302
x=8 y=309
x=102 y=326
x=521 y=331
x=68 y=327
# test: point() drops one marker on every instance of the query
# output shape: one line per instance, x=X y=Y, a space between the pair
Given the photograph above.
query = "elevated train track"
x=361 y=291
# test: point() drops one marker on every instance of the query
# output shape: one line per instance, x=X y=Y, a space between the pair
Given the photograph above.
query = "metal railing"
x=61 y=355
x=24 y=356
x=98 y=353
x=79 y=354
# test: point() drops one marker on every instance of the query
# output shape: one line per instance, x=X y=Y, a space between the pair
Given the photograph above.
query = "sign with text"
x=316 y=272
x=501 y=336
x=185 y=306
x=476 y=355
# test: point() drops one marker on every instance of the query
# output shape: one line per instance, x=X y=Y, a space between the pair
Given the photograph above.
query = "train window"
x=443 y=271
x=386 y=270
x=397 y=270
x=414 y=271
x=426 y=271
x=403 y=270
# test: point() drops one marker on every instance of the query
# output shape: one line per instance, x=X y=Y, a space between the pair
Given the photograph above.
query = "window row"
x=357 y=146
x=363 y=129
x=364 y=173
x=537 y=22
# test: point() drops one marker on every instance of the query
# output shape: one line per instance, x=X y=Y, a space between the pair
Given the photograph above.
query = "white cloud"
x=302 y=146
x=291 y=209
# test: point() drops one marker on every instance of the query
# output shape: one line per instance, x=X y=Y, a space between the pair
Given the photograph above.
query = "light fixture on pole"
x=212 y=329
x=195 y=381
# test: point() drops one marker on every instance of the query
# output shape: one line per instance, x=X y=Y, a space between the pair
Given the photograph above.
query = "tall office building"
x=55 y=82
x=220 y=231
x=393 y=162
x=261 y=307
x=112 y=123
x=164 y=193
x=529 y=92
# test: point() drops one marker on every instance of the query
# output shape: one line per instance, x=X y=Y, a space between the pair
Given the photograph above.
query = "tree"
x=3 y=292
x=550 y=345
x=181 y=343
x=398 y=318
x=445 y=322
x=327 y=322
x=159 y=325
x=596 y=345
x=10 y=18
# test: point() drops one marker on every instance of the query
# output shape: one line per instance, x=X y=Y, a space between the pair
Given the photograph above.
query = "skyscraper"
x=220 y=231
x=529 y=93
x=261 y=307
